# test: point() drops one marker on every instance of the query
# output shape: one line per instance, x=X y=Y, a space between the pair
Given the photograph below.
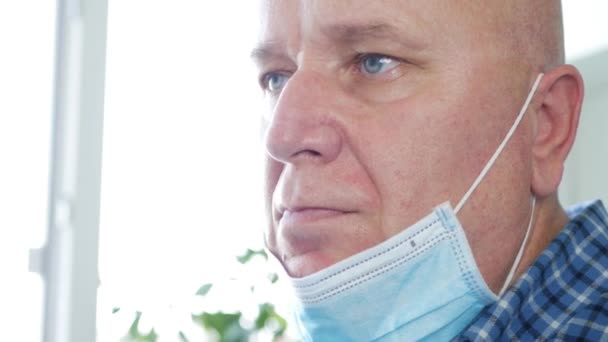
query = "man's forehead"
x=314 y=18
x=308 y=15
x=432 y=12
x=528 y=29
x=285 y=23
x=345 y=34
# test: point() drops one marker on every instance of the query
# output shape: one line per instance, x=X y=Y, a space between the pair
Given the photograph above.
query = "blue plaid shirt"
x=563 y=296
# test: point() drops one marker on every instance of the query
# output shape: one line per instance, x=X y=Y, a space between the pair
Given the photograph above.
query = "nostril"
x=313 y=152
x=308 y=152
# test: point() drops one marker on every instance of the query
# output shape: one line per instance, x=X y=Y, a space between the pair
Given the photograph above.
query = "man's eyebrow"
x=266 y=51
x=352 y=33
x=345 y=34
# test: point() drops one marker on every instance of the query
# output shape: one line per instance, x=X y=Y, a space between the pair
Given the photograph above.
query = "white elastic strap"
x=520 y=254
x=500 y=147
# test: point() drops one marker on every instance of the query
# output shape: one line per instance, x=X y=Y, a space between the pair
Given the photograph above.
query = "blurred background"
x=180 y=194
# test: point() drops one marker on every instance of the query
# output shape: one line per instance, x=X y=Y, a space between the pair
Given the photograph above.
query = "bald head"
x=530 y=30
x=515 y=39
x=521 y=33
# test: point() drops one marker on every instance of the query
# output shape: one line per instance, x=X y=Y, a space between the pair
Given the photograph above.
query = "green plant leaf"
x=273 y=277
x=182 y=337
x=218 y=321
x=134 y=328
x=136 y=336
x=250 y=253
x=269 y=318
x=150 y=337
x=282 y=325
x=115 y=310
x=227 y=325
x=203 y=290
x=264 y=313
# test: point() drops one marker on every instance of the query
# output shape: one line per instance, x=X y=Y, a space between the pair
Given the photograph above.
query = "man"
x=380 y=111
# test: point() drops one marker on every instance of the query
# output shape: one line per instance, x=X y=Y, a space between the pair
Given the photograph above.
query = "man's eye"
x=373 y=64
x=274 y=81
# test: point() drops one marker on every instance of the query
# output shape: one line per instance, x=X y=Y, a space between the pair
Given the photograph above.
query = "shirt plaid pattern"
x=563 y=296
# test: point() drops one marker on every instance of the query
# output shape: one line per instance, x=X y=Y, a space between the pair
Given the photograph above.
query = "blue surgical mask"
x=421 y=284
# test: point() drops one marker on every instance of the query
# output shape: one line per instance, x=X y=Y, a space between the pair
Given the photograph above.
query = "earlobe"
x=556 y=124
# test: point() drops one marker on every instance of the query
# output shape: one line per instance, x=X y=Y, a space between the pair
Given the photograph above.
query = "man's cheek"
x=272 y=173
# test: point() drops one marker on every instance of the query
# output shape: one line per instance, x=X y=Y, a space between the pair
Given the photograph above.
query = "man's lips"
x=303 y=233
x=307 y=215
x=303 y=229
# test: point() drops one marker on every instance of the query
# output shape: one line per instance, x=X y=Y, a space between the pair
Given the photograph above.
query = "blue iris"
x=374 y=64
x=276 y=81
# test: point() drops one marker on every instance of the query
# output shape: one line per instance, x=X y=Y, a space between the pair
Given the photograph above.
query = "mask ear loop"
x=500 y=147
x=487 y=168
x=520 y=253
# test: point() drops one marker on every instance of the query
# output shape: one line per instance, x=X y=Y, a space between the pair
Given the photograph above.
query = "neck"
x=550 y=219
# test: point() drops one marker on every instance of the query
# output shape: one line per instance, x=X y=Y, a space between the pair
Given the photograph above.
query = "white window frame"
x=68 y=261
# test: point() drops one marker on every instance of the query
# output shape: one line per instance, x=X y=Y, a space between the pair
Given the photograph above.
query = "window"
x=181 y=188
x=26 y=84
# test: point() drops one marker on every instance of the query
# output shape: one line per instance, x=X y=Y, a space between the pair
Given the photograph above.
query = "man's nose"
x=303 y=125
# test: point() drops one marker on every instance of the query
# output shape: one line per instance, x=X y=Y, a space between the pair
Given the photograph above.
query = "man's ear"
x=562 y=94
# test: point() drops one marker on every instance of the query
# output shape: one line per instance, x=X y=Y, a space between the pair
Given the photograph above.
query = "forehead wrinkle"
x=356 y=32
x=353 y=33
x=277 y=35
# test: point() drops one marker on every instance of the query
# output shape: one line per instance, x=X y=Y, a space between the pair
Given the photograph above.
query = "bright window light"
x=181 y=181
x=26 y=88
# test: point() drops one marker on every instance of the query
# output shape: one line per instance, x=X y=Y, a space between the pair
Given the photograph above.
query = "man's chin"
x=303 y=265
